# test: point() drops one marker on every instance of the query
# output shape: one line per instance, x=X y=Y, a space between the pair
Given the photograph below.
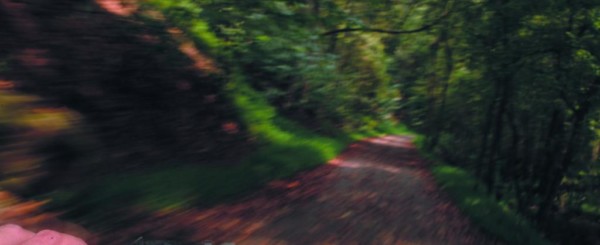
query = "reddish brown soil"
x=376 y=192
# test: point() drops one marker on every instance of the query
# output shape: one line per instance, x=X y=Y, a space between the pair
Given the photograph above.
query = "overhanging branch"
x=420 y=29
x=386 y=31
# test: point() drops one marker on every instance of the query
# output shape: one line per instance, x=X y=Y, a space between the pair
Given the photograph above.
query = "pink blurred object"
x=15 y=235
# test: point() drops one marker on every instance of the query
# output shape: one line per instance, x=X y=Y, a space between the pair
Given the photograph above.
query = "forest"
x=118 y=114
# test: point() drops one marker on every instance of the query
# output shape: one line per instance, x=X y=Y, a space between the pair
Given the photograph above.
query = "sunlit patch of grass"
x=269 y=128
x=389 y=127
x=590 y=208
x=492 y=217
x=382 y=128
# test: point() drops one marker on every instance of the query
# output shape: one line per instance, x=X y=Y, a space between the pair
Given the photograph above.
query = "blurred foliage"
x=509 y=91
x=180 y=82
x=278 y=49
x=175 y=93
x=286 y=148
x=38 y=142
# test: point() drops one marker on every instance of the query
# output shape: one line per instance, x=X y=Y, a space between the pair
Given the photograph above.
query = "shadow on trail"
x=378 y=191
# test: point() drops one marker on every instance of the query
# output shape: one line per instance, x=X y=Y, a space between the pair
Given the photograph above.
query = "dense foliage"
x=510 y=91
x=506 y=89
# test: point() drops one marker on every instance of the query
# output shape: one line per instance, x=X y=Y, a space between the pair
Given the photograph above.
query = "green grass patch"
x=382 y=128
x=589 y=208
x=492 y=217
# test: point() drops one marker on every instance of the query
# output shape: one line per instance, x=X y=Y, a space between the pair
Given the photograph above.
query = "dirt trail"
x=377 y=192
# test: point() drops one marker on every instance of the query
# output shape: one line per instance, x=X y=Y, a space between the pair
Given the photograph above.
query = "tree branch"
x=366 y=29
x=332 y=32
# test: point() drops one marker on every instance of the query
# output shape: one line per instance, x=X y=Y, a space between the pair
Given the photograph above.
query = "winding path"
x=378 y=191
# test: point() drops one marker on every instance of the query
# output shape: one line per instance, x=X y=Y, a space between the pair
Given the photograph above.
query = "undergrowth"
x=493 y=217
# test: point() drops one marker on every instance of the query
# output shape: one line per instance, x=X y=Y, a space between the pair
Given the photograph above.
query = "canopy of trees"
x=507 y=89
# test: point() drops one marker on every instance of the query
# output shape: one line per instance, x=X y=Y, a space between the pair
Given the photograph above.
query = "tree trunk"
x=484 y=138
x=432 y=85
x=514 y=159
x=570 y=150
x=490 y=178
x=441 y=115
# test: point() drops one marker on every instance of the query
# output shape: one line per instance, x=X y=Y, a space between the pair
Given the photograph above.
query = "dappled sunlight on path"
x=377 y=192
